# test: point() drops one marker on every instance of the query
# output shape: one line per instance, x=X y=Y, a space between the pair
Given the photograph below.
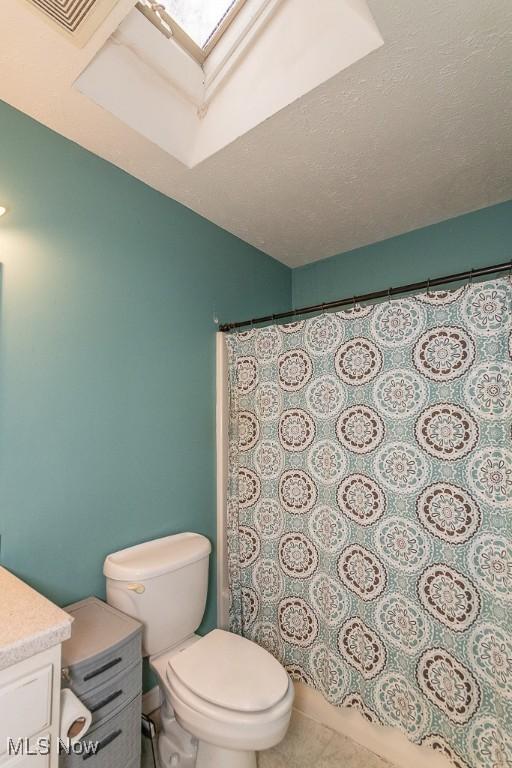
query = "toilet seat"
x=227 y=727
x=230 y=672
x=262 y=716
x=206 y=708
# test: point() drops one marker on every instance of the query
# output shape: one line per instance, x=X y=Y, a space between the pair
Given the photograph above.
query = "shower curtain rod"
x=388 y=292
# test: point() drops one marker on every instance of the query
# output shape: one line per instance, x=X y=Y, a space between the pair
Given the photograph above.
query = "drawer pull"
x=106 y=741
x=104 y=702
x=102 y=669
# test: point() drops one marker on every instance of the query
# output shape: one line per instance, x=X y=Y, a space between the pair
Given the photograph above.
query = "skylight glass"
x=199 y=18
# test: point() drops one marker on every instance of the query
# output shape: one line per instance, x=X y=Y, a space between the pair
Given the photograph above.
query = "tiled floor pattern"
x=311 y=745
x=307 y=745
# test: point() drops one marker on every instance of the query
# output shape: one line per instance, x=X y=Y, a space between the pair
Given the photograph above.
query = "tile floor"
x=307 y=745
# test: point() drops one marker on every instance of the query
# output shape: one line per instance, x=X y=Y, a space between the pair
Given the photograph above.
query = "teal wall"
x=474 y=240
x=107 y=359
x=107 y=348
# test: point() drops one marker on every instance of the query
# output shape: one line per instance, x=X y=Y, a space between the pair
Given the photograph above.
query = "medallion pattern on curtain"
x=369 y=511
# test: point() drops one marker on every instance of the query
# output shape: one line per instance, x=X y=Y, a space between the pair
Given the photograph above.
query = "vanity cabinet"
x=30 y=711
x=32 y=630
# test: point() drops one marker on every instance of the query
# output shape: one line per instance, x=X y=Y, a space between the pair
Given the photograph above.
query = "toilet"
x=223 y=697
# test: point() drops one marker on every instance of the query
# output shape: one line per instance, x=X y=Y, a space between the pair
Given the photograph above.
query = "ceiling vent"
x=77 y=19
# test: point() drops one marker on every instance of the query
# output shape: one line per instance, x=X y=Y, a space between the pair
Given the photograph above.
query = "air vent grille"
x=69 y=14
x=76 y=19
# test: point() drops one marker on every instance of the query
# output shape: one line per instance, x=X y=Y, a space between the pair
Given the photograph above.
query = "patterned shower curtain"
x=369 y=511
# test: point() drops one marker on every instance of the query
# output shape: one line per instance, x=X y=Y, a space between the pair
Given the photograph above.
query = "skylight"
x=200 y=19
x=196 y=25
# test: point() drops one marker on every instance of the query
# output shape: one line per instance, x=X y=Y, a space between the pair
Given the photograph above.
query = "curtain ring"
x=323 y=307
x=389 y=293
x=354 y=304
x=428 y=287
x=471 y=276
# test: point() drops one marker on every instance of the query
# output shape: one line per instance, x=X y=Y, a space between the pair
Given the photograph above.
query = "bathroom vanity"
x=31 y=632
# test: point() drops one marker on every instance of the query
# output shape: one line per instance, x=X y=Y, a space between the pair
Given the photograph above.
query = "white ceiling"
x=417 y=132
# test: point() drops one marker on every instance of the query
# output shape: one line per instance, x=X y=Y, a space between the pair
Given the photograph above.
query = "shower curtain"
x=369 y=511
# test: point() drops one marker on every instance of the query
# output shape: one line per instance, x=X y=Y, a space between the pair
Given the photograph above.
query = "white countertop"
x=29 y=623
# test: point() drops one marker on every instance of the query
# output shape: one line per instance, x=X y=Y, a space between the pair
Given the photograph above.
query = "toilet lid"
x=232 y=672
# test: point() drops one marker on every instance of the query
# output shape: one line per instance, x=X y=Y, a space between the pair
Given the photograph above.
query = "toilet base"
x=176 y=747
x=210 y=756
x=179 y=749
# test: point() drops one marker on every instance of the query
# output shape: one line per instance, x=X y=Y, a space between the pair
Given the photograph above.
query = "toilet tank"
x=163 y=583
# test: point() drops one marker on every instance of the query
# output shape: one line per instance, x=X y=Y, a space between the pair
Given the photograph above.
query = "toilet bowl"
x=223 y=696
x=230 y=708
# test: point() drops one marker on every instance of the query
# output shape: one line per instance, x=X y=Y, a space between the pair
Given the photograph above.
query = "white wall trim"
x=387 y=742
x=222 y=418
x=249 y=22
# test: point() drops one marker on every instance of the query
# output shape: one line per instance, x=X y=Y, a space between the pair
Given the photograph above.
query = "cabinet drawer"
x=93 y=673
x=25 y=706
x=26 y=761
x=105 y=700
x=31 y=761
x=118 y=741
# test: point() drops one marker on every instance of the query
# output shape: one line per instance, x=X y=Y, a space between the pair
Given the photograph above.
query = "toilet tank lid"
x=154 y=558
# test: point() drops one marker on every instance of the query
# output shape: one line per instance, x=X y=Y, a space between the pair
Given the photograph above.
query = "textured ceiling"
x=419 y=131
